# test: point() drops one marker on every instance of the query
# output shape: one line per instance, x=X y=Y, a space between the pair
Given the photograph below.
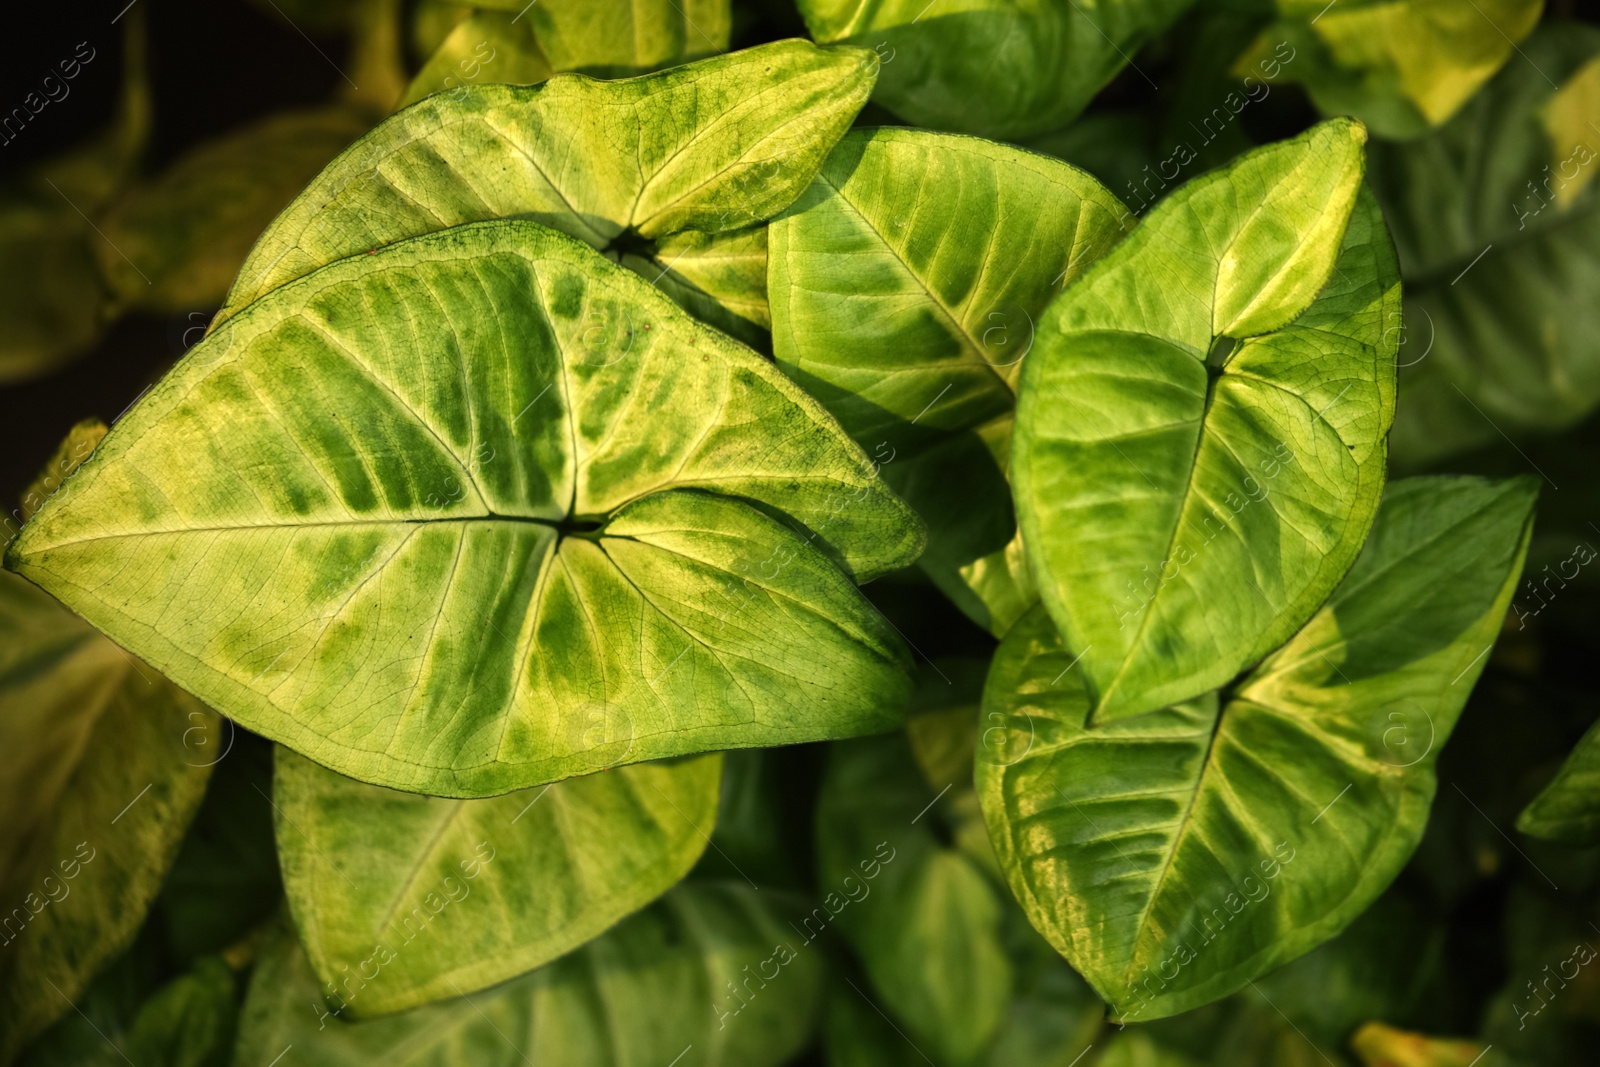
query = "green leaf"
x=97 y=785
x=1400 y=66
x=924 y=918
x=942 y=724
x=660 y=984
x=1201 y=422
x=1499 y=249
x=485 y=47
x=1053 y=1018
x=856 y=1033
x=1176 y=856
x=1568 y=809
x=441 y=898
x=622 y=38
x=510 y=436
x=715 y=145
x=94 y=1034
x=720 y=278
x=189 y=1022
x=174 y=243
x=905 y=285
x=1546 y=1013
x=992 y=67
x=1386 y=964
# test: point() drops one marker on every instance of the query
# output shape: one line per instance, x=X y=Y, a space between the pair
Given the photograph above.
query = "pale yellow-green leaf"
x=436 y=898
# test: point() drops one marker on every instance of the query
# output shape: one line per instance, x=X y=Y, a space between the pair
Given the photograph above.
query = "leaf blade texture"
x=629 y=513
x=1201 y=424
x=1175 y=856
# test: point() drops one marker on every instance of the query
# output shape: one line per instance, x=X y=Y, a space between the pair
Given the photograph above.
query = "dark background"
x=214 y=65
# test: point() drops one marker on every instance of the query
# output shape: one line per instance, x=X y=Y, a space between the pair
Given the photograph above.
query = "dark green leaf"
x=924 y=918
x=1498 y=227
x=712 y=974
x=98 y=784
x=1569 y=807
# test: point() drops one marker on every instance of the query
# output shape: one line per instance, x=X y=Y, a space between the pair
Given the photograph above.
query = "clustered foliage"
x=501 y=638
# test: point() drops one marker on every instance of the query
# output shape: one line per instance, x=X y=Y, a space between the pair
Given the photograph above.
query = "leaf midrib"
x=563 y=527
x=1172 y=539
x=911 y=272
x=1207 y=764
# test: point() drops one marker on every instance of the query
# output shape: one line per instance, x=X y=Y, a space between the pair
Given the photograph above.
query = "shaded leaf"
x=174 y=242
x=1400 y=66
x=924 y=918
x=993 y=67
x=905 y=287
x=753 y=837
x=485 y=47
x=1175 y=856
x=1568 y=809
x=720 y=278
x=54 y=304
x=441 y=898
x=648 y=990
x=98 y=787
x=1201 y=422
x=1549 y=1010
x=189 y=1022
x=225 y=880
x=626 y=509
x=1501 y=333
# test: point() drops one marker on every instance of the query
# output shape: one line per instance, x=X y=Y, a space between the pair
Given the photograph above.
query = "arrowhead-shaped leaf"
x=482 y=511
x=1568 y=809
x=648 y=990
x=1200 y=429
x=513 y=42
x=715 y=145
x=1175 y=856
x=905 y=285
x=438 y=898
x=993 y=67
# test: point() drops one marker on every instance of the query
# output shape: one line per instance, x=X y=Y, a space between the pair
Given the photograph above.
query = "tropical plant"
x=654 y=562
